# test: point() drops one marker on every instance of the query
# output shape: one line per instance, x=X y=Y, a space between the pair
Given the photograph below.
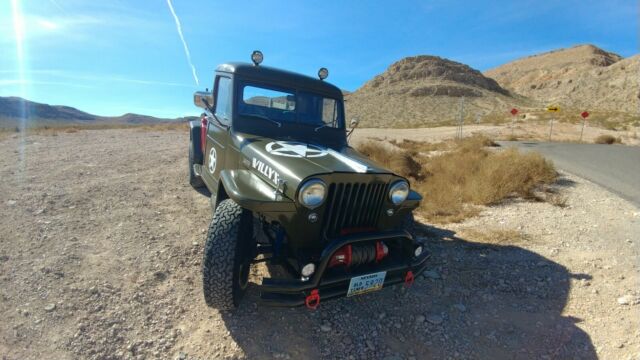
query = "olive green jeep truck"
x=287 y=189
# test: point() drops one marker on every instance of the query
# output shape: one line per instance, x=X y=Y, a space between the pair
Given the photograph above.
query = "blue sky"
x=113 y=57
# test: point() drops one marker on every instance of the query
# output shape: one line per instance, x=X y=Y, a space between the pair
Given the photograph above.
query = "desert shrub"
x=476 y=176
x=400 y=162
x=473 y=141
x=456 y=181
x=608 y=139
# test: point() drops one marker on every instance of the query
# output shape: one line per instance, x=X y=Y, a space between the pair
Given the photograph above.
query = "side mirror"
x=202 y=98
x=354 y=125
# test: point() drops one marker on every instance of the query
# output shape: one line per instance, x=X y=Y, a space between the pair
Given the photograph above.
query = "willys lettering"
x=266 y=170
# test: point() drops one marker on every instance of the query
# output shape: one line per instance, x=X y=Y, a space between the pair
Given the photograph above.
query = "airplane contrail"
x=184 y=43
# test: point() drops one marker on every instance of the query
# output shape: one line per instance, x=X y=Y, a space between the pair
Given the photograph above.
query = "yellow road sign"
x=553 y=108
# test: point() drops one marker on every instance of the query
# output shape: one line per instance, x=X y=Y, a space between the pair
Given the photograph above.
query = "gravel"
x=117 y=251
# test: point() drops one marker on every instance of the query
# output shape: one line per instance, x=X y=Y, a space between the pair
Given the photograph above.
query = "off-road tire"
x=194 y=180
x=227 y=256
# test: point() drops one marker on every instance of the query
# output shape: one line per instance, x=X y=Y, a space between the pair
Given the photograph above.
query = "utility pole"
x=461 y=118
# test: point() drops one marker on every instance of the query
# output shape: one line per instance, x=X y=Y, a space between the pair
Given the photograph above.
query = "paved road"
x=615 y=167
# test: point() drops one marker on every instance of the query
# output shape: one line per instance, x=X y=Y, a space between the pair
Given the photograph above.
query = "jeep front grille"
x=353 y=206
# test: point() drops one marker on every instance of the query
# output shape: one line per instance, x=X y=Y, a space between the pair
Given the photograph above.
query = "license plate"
x=366 y=283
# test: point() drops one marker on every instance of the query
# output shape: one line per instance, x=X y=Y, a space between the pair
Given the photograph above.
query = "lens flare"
x=184 y=42
x=18 y=29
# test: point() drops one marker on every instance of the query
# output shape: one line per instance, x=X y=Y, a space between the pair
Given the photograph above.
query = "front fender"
x=252 y=193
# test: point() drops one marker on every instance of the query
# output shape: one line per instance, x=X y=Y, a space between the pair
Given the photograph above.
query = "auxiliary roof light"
x=323 y=73
x=257 y=57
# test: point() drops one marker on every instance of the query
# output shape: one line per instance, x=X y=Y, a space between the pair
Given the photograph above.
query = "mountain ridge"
x=426 y=90
x=582 y=76
x=14 y=108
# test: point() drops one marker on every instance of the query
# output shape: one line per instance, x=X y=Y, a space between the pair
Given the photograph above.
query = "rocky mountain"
x=583 y=76
x=15 y=107
x=12 y=109
x=426 y=90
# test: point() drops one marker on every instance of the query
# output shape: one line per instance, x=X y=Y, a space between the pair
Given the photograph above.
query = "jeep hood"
x=293 y=161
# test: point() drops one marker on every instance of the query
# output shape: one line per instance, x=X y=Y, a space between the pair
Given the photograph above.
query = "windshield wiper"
x=263 y=118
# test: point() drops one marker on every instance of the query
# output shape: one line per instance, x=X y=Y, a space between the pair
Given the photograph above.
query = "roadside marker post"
x=585 y=115
x=552 y=108
x=514 y=112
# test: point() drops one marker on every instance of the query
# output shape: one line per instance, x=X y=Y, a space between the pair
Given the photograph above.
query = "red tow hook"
x=408 y=279
x=313 y=300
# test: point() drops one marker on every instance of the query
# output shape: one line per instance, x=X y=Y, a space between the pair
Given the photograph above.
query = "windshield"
x=289 y=106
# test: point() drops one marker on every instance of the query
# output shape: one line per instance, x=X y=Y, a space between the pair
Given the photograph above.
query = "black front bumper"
x=331 y=284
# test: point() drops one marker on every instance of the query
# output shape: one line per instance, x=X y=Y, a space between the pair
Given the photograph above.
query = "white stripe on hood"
x=355 y=165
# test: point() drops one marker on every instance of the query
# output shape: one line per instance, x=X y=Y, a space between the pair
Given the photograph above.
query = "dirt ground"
x=101 y=240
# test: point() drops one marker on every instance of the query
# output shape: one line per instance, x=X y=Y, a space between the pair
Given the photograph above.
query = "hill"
x=426 y=90
x=583 y=76
x=12 y=109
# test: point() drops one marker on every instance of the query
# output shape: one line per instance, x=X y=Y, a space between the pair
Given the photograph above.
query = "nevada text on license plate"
x=366 y=283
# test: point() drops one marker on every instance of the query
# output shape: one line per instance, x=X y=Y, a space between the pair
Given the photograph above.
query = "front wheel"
x=227 y=256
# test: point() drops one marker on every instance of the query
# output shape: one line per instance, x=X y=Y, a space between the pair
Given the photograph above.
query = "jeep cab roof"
x=281 y=77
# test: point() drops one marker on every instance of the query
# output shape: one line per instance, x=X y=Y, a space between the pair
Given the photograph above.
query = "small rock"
x=431 y=274
x=460 y=307
x=181 y=356
x=420 y=319
x=11 y=202
x=625 y=300
x=325 y=327
x=435 y=319
x=50 y=307
x=370 y=344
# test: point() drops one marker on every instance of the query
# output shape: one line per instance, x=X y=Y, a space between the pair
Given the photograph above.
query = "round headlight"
x=312 y=193
x=399 y=192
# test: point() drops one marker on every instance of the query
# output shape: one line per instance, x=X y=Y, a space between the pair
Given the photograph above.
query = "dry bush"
x=54 y=130
x=166 y=126
x=420 y=146
x=403 y=163
x=608 y=139
x=473 y=141
x=455 y=182
x=556 y=199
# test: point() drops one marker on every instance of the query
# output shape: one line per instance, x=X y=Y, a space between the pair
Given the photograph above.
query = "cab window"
x=223 y=99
